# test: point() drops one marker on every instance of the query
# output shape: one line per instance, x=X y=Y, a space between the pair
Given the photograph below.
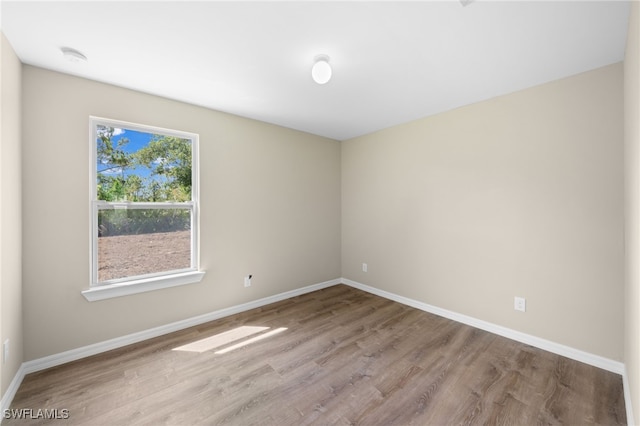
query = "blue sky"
x=137 y=140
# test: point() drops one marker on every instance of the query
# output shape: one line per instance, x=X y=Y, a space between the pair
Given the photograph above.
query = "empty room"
x=345 y=212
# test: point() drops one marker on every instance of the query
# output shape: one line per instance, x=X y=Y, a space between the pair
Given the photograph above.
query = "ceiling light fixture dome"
x=321 y=70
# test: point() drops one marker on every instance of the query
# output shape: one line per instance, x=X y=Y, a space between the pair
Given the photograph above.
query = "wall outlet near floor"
x=520 y=304
x=5 y=351
x=364 y=267
x=247 y=280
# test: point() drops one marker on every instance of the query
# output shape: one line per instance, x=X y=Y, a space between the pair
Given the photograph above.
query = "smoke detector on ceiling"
x=72 y=55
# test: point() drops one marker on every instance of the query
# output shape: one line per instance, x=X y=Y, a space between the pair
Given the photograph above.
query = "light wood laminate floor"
x=335 y=356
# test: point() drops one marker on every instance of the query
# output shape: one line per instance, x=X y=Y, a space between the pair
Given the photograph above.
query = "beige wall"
x=632 y=207
x=520 y=195
x=10 y=212
x=270 y=206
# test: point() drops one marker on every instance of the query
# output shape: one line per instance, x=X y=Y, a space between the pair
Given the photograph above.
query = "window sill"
x=140 y=286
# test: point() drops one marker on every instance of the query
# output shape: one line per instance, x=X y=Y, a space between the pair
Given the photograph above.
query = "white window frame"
x=148 y=282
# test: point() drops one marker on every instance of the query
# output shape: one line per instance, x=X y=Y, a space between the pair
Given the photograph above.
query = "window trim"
x=108 y=291
x=141 y=283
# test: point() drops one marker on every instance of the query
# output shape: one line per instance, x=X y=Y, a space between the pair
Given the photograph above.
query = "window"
x=144 y=188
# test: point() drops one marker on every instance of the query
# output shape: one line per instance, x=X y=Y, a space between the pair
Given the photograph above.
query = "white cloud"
x=116 y=131
x=163 y=161
x=113 y=171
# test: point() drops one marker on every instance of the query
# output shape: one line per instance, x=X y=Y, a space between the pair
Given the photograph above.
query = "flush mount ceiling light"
x=72 y=55
x=321 y=71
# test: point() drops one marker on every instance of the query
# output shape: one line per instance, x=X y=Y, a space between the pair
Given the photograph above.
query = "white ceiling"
x=392 y=61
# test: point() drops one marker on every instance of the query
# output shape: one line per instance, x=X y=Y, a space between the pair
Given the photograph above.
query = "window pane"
x=144 y=198
x=134 y=242
x=139 y=166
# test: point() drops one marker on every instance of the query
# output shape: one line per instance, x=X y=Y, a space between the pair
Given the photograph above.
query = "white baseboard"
x=627 y=398
x=11 y=390
x=556 y=348
x=118 y=342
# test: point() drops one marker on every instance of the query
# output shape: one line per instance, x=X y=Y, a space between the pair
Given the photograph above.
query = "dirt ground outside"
x=128 y=255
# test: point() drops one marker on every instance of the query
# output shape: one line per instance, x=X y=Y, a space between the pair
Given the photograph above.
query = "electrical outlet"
x=520 y=304
x=247 y=281
x=364 y=267
x=5 y=351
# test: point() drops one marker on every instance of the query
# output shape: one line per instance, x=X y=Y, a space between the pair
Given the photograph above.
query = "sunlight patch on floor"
x=232 y=337
x=221 y=339
x=252 y=340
